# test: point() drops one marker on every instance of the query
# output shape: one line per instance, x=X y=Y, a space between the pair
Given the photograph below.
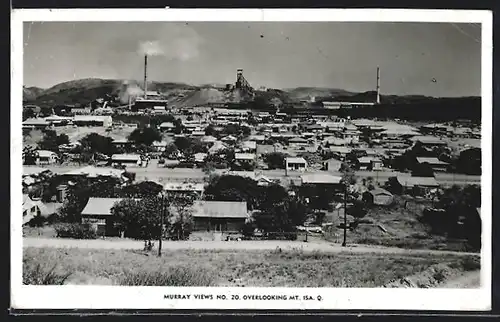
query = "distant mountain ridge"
x=83 y=91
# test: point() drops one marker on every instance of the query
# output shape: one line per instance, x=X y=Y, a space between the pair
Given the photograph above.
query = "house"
x=97 y=213
x=159 y=146
x=159 y=109
x=263 y=181
x=321 y=179
x=45 y=157
x=219 y=216
x=434 y=128
x=332 y=140
x=331 y=105
x=332 y=165
x=56 y=120
x=229 y=139
x=217 y=147
x=249 y=146
x=370 y=163
x=435 y=163
x=408 y=183
x=121 y=143
x=341 y=151
x=94 y=172
x=428 y=141
x=269 y=148
x=184 y=187
x=297 y=142
x=259 y=139
x=378 y=196
x=127 y=159
x=81 y=110
x=245 y=157
x=36 y=123
x=167 y=127
x=93 y=120
x=200 y=157
x=30 y=209
x=292 y=164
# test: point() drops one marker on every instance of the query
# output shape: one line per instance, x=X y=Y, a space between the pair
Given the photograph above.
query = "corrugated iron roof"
x=100 y=206
x=220 y=209
x=407 y=181
x=320 y=178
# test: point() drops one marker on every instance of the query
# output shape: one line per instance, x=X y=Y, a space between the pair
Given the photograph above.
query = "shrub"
x=171 y=276
x=38 y=275
x=469 y=263
x=75 y=230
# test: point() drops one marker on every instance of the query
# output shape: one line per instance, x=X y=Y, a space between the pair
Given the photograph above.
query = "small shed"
x=378 y=196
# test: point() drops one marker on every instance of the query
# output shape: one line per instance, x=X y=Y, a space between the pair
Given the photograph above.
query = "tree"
x=180 y=223
x=275 y=160
x=143 y=218
x=469 y=161
x=171 y=151
x=51 y=140
x=357 y=210
x=29 y=156
x=423 y=170
x=189 y=146
x=139 y=219
x=46 y=111
x=28 y=113
x=210 y=130
x=233 y=188
x=143 y=189
x=145 y=136
x=95 y=143
x=78 y=194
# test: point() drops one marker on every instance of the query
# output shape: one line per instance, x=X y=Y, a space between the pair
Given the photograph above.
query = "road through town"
x=153 y=172
x=228 y=245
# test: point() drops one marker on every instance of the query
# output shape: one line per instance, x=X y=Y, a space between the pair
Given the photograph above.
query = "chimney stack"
x=378 y=85
x=145 y=76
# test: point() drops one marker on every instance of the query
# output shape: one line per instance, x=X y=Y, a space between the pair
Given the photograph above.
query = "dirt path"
x=466 y=280
x=225 y=245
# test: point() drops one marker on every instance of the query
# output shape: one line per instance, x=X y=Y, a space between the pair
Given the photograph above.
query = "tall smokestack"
x=145 y=76
x=378 y=85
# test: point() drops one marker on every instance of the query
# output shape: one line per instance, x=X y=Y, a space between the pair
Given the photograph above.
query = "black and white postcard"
x=251 y=159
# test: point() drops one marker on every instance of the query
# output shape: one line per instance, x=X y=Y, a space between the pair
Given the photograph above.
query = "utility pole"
x=162 y=212
x=345 y=215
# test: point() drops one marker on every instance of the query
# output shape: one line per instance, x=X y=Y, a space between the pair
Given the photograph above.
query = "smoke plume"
x=174 y=42
x=150 y=48
x=128 y=91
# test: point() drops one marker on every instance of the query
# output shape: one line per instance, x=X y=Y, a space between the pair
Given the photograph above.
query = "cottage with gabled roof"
x=219 y=216
x=97 y=212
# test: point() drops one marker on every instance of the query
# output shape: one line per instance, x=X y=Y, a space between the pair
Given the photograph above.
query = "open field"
x=270 y=268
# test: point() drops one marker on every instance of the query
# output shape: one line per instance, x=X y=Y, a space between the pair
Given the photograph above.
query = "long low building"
x=93 y=120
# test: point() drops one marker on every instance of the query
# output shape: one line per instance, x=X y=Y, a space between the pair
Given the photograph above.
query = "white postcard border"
x=106 y=297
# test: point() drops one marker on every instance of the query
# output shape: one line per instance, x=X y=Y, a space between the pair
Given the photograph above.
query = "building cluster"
x=309 y=151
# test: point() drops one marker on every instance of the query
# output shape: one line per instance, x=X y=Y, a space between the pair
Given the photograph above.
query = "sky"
x=435 y=59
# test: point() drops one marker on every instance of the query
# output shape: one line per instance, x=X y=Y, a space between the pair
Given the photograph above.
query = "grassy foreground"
x=227 y=268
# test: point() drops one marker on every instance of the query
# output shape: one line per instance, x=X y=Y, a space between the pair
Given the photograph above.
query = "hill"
x=306 y=93
x=84 y=91
x=31 y=93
